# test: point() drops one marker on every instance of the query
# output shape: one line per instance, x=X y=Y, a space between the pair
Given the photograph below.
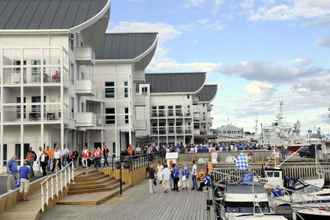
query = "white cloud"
x=193 y=3
x=293 y=9
x=257 y=88
x=166 y=31
x=302 y=61
x=270 y=72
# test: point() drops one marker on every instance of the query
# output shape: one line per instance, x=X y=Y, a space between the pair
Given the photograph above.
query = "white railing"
x=55 y=184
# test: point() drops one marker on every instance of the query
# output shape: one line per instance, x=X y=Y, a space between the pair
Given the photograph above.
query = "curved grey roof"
x=176 y=82
x=124 y=46
x=47 y=14
x=207 y=93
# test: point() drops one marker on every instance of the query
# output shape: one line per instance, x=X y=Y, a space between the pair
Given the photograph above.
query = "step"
x=94 y=182
x=95 y=189
x=92 y=198
x=93 y=185
x=92 y=176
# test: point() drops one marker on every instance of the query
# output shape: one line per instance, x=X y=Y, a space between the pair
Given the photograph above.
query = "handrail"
x=56 y=183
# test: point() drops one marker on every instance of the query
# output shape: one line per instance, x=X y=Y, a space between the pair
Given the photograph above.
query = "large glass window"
x=126 y=89
x=109 y=89
x=110 y=116
x=126 y=116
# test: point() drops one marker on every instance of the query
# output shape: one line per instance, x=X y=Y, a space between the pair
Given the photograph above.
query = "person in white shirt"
x=166 y=175
x=194 y=176
x=57 y=159
x=160 y=168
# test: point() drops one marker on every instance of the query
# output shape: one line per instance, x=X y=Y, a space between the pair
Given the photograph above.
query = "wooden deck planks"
x=137 y=203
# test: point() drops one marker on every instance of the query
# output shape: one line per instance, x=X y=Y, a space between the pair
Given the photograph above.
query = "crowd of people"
x=170 y=177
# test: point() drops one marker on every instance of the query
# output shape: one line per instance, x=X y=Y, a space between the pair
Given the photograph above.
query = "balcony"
x=86 y=119
x=84 y=55
x=140 y=100
x=85 y=87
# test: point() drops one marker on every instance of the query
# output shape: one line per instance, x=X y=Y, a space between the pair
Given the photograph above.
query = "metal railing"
x=140 y=160
x=56 y=183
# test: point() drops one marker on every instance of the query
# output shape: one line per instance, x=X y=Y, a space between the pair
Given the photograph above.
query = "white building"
x=229 y=131
x=121 y=60
x=179 y=105
x=63 y=81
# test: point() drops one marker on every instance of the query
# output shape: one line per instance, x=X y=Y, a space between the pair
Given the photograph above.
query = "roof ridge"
x=173 y=73
x=110 y=33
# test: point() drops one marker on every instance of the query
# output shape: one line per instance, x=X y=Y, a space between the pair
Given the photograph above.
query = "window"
x=109 y=89
x=126 y=116
x=18 y=108
x=110 y=116
x=125 y=89
x=4 y=156
x=188 y=96
x=144 y=90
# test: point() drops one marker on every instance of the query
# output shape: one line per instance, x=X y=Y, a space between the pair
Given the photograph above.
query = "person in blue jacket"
x=12 y=167
x=206 y=182
x=175 y=177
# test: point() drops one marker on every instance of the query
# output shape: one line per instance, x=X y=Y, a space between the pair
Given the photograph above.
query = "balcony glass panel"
x=52 y=56
x=12 y=75
x=12 y=113
x=52 y=75
x=11 y=57
x=52 y=112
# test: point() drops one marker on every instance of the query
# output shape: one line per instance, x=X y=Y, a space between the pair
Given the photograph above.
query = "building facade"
x=65 y=82
x=179 y=106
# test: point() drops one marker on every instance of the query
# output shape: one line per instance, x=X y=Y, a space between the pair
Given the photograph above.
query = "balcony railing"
x=84 y=54
x=87 y=119
x=31 y=113
x=85 y=87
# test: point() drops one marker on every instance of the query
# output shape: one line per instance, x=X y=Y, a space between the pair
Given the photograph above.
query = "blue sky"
x=258 y=51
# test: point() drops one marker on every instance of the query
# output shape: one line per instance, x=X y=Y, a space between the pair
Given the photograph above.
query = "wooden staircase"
x=92 y=181
x=92 y=187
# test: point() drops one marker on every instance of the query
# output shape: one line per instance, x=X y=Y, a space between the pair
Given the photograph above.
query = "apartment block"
x=180 y=107
x=65 y=82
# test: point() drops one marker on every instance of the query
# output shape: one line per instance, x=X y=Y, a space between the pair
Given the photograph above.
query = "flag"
x=241 y=162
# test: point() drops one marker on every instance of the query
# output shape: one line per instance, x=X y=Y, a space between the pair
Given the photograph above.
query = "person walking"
x=57 y=159
x=152 y=179
x=194 y=176
x=24 y=173
x=166 y=179
x=84 y=157
x=97 y=157
x=12 y=169
x=185 y=177
x=43 y=159
x=31 y=156
x=105 y=152
x=160 y=168
x=176 y=177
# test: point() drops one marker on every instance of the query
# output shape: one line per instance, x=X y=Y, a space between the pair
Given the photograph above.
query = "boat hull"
x=304 y=216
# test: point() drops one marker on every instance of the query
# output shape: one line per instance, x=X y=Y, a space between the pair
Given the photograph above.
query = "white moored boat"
x=245 y=202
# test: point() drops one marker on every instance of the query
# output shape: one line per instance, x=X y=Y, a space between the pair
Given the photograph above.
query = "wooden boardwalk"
x=137 y=203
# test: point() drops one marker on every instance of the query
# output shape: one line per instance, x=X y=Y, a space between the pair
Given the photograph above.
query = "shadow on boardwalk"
x=137 y=203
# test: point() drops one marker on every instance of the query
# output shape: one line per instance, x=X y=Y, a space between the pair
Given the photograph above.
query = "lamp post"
x=121 y=179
